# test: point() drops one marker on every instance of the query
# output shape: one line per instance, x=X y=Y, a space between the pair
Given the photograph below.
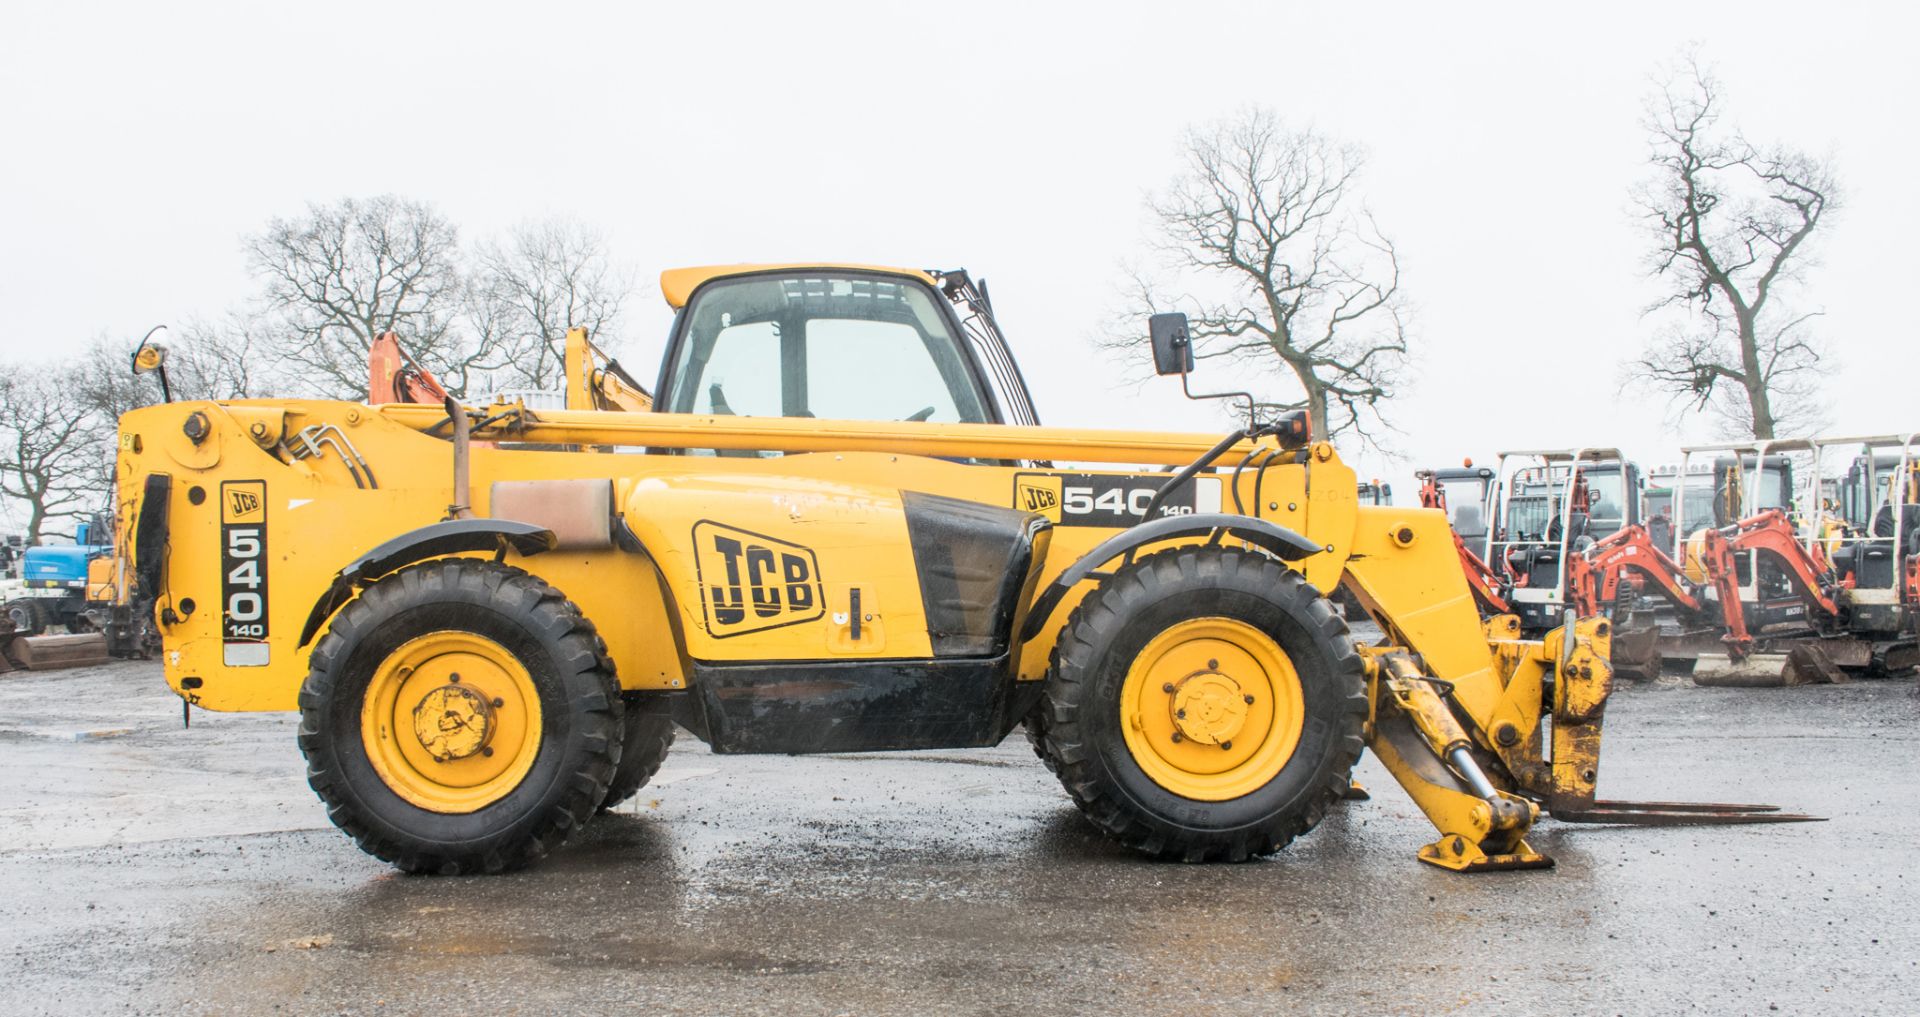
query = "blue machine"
x=56 y=580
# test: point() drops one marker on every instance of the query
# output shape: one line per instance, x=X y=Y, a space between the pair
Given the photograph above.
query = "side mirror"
x=150 y=357
x=1172 y=351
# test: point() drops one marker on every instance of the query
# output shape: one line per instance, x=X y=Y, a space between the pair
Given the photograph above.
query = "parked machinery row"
x=1786 y=560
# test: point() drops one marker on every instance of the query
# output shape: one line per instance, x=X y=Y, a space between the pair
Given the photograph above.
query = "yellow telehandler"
x=840 y=527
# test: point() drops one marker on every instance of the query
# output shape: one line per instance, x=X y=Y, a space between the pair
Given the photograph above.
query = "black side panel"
x=973 y=561
x=865 y=706
x=150 y=533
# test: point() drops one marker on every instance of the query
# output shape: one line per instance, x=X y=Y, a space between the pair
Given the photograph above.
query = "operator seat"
x=1660 y=532
x=1876 y=561
x=1469 y=521
x=1608 y=514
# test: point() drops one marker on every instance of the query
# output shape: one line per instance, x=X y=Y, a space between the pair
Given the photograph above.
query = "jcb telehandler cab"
x=843 y=529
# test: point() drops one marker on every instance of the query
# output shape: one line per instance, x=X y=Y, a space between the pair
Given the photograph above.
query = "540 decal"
x=243 y=572
x=1110 y=499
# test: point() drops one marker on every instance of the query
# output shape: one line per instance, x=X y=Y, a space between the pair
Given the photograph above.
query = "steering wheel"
x=922 y=414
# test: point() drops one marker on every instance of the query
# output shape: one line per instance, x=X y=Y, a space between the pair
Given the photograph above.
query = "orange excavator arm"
x=393 y=377
x=1716 y=556
x=1770 y=533
x=1594 y=579
x=1481 y=578
x=1631 y=550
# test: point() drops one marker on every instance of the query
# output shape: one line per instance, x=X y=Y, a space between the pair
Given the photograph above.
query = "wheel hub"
x=453 y=722
x=1208 y=707
x=1212 y=708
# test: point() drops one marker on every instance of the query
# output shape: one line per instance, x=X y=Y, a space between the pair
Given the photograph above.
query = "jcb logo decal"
x=242 y=503
x=1038 y=494
x=750 y=581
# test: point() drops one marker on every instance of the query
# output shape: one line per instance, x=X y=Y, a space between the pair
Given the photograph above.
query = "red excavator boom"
x=393 y=377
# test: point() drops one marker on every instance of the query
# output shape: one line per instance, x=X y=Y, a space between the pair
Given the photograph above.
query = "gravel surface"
x=153 y=869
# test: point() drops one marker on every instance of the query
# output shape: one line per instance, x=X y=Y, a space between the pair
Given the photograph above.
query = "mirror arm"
x=1248 y=396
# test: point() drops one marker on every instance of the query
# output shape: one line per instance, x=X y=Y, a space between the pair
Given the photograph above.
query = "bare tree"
x=1730 y=223
x=1297 y=280
x=49 y=451
x=532 y=286
x=222 y=359
x=336 y=278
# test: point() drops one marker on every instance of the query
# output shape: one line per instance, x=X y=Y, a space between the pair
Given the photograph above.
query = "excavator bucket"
x=1809 y=662
x=1636 y=649
x=1754 y=671
x=49 y=653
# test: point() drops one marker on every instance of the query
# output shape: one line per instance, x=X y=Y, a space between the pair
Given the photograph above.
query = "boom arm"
x=1481 y=578
x=393 y=377
x=1770 y=533
x=1596 y=575
x=596 y=381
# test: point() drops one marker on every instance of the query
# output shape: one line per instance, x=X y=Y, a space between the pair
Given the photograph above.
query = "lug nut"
x=1178 y=738
x=498 y=702
x=1181 y=714
x=1213 y=665
x=454 y=677
x=487 y=750
x=1249 y=700
x=1226 y=745
x=1167 y=687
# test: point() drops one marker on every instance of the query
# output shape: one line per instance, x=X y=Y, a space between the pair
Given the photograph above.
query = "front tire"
x=28 y=615
x=460 y=716
x=1205 y=704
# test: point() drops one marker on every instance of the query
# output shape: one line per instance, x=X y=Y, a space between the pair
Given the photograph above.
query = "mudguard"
x=434 y=541
x=1283 y=543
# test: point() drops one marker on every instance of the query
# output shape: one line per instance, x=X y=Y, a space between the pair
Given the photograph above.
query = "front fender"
x=1283 y=543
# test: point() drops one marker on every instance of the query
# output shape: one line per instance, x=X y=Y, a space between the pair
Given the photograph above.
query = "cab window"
x=846 y=347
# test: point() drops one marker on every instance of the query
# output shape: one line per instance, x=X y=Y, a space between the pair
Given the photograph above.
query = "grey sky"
x=1017 y=141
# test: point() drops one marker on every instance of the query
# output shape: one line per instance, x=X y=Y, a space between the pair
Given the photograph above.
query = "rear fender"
x=437 y=540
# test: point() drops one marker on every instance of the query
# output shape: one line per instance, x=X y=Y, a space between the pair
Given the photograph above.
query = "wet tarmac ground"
x=149 y=869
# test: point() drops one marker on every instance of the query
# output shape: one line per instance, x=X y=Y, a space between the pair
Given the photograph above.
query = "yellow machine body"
x=712 y=541
x=841 y=511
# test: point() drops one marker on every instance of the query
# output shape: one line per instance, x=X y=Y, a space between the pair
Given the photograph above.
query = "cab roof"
x=678 y=284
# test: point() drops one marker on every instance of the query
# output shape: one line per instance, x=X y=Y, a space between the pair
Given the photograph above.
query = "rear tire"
x=643 y=747
x=505 y=761
x=1096 y=701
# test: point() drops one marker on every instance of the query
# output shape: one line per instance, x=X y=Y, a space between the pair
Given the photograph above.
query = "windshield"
x=1607 y=501
x=1466 y=506
x=847 y=347
x=1529 y=513
x=1773 y=490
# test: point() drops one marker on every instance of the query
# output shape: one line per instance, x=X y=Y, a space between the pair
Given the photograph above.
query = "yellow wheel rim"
x=1212 y=709
x=451 y=721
